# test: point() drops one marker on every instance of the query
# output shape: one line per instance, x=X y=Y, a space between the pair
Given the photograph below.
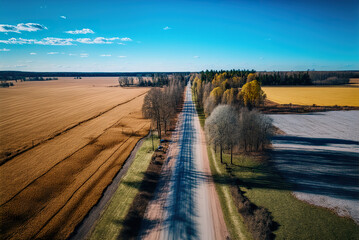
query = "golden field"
x=319 y=95
x=82 y=131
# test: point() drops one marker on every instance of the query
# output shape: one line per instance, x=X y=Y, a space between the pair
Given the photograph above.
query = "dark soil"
x=270 y=107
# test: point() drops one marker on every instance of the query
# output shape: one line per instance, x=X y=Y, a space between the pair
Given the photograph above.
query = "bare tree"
x=255 y=130
x=151 y=107
x=160 y=104
x=220 y=128
x=123 y=81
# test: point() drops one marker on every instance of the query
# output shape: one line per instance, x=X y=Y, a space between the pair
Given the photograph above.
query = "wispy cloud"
x=167 y=28
x=63 y=17
x=126 y=39
x=20 y=66
x=32 y=53
x=195 y=56
x=26 y=27
x=84 y=55
x=98 y=40
x=44 y=41
x=105 y=55
x=72 y=54
x=122 y=56
x=52 y=53
x=60 y=41
x=4 y=50
x=83 y=31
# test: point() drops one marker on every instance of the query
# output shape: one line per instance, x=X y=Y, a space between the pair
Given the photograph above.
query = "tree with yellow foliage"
x=229 y=96
x=251 y=77
x=218 y=79
x=252 y=94
x=216 y=94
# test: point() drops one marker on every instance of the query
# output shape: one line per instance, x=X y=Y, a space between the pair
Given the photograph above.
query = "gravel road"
x=186 y=205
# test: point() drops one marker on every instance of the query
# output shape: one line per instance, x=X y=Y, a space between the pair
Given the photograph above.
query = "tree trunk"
x=221 y=153
x=231 y=154
x=159 y=129
x=153 y=146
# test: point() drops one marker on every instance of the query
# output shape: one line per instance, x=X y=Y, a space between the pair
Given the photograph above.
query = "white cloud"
x=4 y=50
x=20 y=65
x=105 y=55
x=60 y=41
x=72 y=54
x=167 y=28
x=98 y=40
x=121 y=43
x=27 y=27
x=52 y=53
x=44 y=41
x=84 y=55
x=195 y=56
x=83 y=31
x=32 y=53
x=63 y=17
x=122 y=56
x=126 y=39
x=56 y=41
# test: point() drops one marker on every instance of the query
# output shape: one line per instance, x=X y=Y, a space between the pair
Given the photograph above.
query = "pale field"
x=48 y=189
x=319 y=95
x=354 y=82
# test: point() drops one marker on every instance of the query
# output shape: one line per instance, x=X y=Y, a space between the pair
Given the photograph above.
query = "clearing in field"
x=322 y=96
x=82 y=131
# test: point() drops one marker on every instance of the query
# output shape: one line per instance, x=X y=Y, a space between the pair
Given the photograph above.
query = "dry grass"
x=86 y=130
x=322 y=96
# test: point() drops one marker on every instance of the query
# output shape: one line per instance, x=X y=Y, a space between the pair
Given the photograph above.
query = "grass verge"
x=297 y=220
x=111 y=222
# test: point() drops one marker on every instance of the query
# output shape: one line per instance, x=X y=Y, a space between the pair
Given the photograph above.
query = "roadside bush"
x=258 y=220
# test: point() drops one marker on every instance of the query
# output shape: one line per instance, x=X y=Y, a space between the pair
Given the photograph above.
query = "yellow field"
x=82 y=130
x=321 y=96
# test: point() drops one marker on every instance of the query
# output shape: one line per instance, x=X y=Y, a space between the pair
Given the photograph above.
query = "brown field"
x=318 y=95
x=82 y=132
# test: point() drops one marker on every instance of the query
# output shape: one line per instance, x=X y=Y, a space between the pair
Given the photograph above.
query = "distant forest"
x=286 y=77
x=13 y=75
x=265 y=78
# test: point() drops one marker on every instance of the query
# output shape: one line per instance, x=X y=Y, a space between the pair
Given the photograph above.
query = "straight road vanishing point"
x=186 y=205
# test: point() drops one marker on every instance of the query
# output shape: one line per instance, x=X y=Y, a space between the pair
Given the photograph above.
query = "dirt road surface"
x=186 y=205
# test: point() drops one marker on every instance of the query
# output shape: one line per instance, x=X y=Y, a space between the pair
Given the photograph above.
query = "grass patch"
x=111 y=222
x=296 y=219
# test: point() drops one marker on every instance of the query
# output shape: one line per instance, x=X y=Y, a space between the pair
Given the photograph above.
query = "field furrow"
x=48 y=189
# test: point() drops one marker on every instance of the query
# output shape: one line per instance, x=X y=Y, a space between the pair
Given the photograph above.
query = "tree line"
x=154 y=80
x=229 y=100
x=228 y=127
x=228 y=89
x=309 y=77
x=160 y=104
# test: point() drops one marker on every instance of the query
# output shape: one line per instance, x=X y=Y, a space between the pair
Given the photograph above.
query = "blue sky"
x=111 y=36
